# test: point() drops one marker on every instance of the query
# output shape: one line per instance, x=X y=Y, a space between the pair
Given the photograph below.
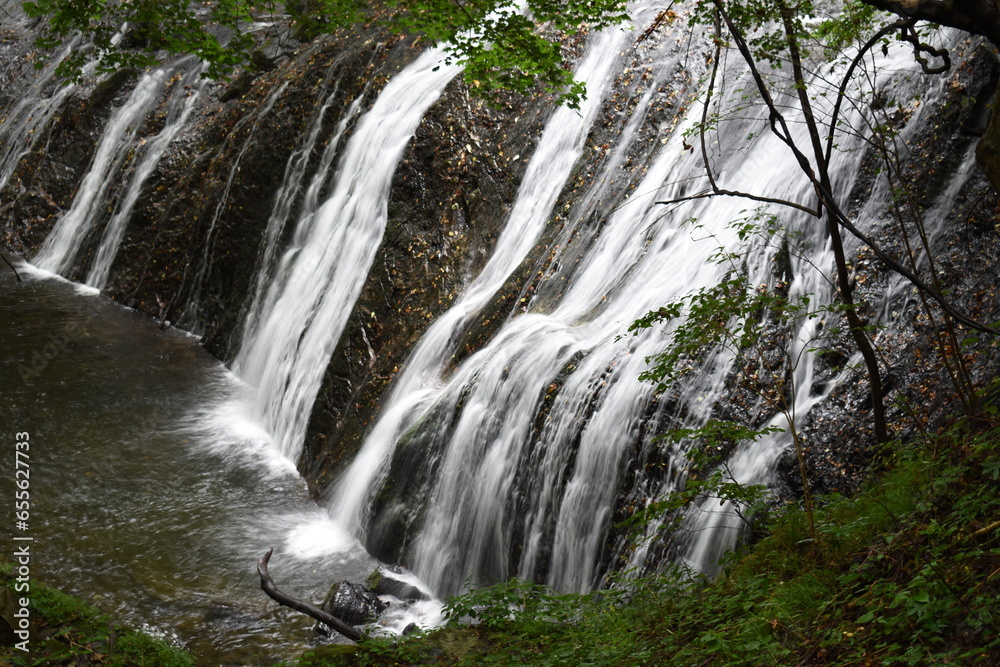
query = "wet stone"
x=353 y=603
x=386 y=584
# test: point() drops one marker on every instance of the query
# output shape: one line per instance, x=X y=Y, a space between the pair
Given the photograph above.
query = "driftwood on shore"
x=267 y=585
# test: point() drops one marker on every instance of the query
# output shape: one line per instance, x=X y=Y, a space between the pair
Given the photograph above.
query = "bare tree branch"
x=979 y=17
x=849 y=74
x=908 y=34
x=267 y=585
x=7 y=261
x=719 y=192
x=826 y=197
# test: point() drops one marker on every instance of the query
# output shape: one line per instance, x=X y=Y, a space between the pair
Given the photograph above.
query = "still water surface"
x=152 y=495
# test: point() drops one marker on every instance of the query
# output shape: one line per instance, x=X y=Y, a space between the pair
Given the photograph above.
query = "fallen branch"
x=11 y=268
x=267 y=585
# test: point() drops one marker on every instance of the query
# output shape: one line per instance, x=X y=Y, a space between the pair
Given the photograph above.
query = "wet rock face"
x=197 y=238
x=386 y=584
x=353 y=603
x=46 y=179
x=195 y=242
x=451 y=194
x=194 y=238
x=919 y=393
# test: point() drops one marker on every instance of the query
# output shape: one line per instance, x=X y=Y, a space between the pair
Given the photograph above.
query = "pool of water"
x=152 y=494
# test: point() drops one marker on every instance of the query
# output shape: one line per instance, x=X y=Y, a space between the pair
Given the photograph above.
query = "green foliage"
x=505 y=47
x=850 y=25
x=142 y=650
x=150 y=27
x=750 y=322
x=732 y=315
x=514 y=601
x=749 y=501
x=502 y=45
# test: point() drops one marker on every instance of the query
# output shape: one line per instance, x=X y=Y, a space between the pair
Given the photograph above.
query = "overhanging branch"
x=7 y=261
x=780 y=128
x=979 y=17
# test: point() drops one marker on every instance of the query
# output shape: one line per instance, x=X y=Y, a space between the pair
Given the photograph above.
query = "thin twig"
x=7 y=261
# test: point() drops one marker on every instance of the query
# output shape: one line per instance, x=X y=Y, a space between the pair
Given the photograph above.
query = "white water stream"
x=23 y=122
x=497 y=495
x=120 y=144
x=21 y=126
x=189 y=88
x=422 y=378
x=295 y=325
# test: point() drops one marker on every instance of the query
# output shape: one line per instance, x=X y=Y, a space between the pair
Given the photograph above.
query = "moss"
x=329 y=656
x=68 y=631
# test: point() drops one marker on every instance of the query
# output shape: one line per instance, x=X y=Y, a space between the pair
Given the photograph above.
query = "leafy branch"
x=748 y=321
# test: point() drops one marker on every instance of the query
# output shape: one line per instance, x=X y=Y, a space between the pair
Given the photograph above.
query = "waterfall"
x=121 y=146
x=190 y=88
x=716 y=528
x=511 y=460
x=21 y=125
x=291 y=189
x=510 y=463
x=421 y=380
x=478 y=421
x=297 y=320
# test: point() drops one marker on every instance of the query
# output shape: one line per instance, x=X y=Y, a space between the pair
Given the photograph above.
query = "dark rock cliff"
x=193 y=245
x=192 y=248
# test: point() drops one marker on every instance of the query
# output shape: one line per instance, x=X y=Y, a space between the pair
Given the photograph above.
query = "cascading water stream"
x=292 y=333
x=119 y=143
x=716 y=528
x=467 y=527
x=512 y=465
x=291 y=191
x=22 y=123
x=34 y=109
x=510 y=462
x=60 y=250
x=178 y=110
x=421 y=380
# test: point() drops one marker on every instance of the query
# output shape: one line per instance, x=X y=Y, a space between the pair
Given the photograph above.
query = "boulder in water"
x=382 y=582
x=353 y=603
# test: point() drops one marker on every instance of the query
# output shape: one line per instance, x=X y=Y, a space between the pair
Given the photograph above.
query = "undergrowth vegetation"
x=907 y=572
x=67 y=631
